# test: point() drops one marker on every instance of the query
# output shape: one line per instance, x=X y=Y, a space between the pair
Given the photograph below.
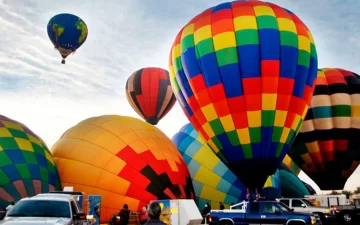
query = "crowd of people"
x=150 y=215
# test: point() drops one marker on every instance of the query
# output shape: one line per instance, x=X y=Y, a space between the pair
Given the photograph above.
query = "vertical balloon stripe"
x=326 y=148
x=243 y=72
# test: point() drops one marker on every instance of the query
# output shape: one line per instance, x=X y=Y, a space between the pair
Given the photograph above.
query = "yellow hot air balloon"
x=123 y=159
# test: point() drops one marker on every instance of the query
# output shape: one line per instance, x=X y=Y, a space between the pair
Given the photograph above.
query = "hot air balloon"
x=149 y=93
x=26 y=165
x=123 y=159
x=243 y=73
x=67 y=32
x=212 y=180
x=327 y=148
x=291 y=185
x=309 y=188
x=291 y=164
x=272 y=187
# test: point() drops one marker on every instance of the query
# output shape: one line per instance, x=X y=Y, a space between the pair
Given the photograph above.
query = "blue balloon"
x=67 y=32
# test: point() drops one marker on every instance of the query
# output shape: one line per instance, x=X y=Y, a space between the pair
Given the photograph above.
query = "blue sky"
x=124 y=36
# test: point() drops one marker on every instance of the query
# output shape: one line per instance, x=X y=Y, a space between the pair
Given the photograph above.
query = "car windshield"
x=40 y=208
x=307 y=202
x=284 y=207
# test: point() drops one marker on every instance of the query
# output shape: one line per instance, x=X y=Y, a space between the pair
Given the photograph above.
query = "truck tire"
x=296 y=223
x=346 y=217
x=226 y=222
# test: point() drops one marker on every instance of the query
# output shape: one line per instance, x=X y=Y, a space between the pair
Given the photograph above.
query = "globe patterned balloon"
x=243 y=72
x=26 y=165
x=67 y=32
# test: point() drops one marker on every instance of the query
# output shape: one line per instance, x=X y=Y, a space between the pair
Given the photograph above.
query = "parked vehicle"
x=329 y=200
x=262 y=212
x=347 y=213
x=303 y=205
x=44 y=210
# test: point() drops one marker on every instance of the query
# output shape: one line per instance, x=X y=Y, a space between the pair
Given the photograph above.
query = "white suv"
x=44 y=210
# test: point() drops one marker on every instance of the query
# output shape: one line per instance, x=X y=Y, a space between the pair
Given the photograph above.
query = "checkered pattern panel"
x=26 y=165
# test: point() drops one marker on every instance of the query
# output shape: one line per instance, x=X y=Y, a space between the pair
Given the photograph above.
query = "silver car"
x=44 y=211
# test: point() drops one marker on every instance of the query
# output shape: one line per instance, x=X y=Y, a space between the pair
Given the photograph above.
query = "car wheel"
x=296 y=223
x=347 y=217
x=226 y=222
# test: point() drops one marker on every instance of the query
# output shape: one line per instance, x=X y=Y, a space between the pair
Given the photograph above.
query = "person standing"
x=143 y=217
x=124 y=215
x=154 y=211
x=205 y=212
x=222 y=207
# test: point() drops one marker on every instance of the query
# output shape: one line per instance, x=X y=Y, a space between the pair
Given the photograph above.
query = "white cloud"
x=124 y=36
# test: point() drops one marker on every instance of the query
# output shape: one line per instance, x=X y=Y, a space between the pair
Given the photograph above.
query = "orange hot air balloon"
x=123 y=159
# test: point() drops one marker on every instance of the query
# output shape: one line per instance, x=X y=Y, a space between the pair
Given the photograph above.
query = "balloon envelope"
x=26 y=165
x=123 y=159
x=67 y=32
x=292 y=165
x=327 y=148
x=291 y=185
x=213 y=181
x=243 y=73
x=149 y=93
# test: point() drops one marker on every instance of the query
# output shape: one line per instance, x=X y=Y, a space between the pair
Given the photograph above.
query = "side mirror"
x=292 y=210
x=277 y=212
x=79 y=216
x=303 y=205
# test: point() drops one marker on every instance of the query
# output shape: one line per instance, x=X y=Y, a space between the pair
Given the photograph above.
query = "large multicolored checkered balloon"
x=26 y=165
x=123 y=159
x=243 y=73
x=327 y=148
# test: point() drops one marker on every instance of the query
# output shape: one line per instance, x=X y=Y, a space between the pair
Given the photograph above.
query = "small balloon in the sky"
x=67 y=32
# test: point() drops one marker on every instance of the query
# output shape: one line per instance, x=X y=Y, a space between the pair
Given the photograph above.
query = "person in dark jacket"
x=154 y=212
x=205 y=212
x=124 y=215
x=222 y=207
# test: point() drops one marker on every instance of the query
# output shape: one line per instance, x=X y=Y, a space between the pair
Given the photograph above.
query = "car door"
x=253 y=213
x=271 y=214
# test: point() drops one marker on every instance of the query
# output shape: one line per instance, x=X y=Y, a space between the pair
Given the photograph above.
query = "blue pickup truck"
x=261 y=213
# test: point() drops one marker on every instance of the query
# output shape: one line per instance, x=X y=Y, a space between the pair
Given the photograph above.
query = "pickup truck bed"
x=263 y=212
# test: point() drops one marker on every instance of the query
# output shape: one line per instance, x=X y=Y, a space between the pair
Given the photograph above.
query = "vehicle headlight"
x=313 y=220
x=327 y=211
